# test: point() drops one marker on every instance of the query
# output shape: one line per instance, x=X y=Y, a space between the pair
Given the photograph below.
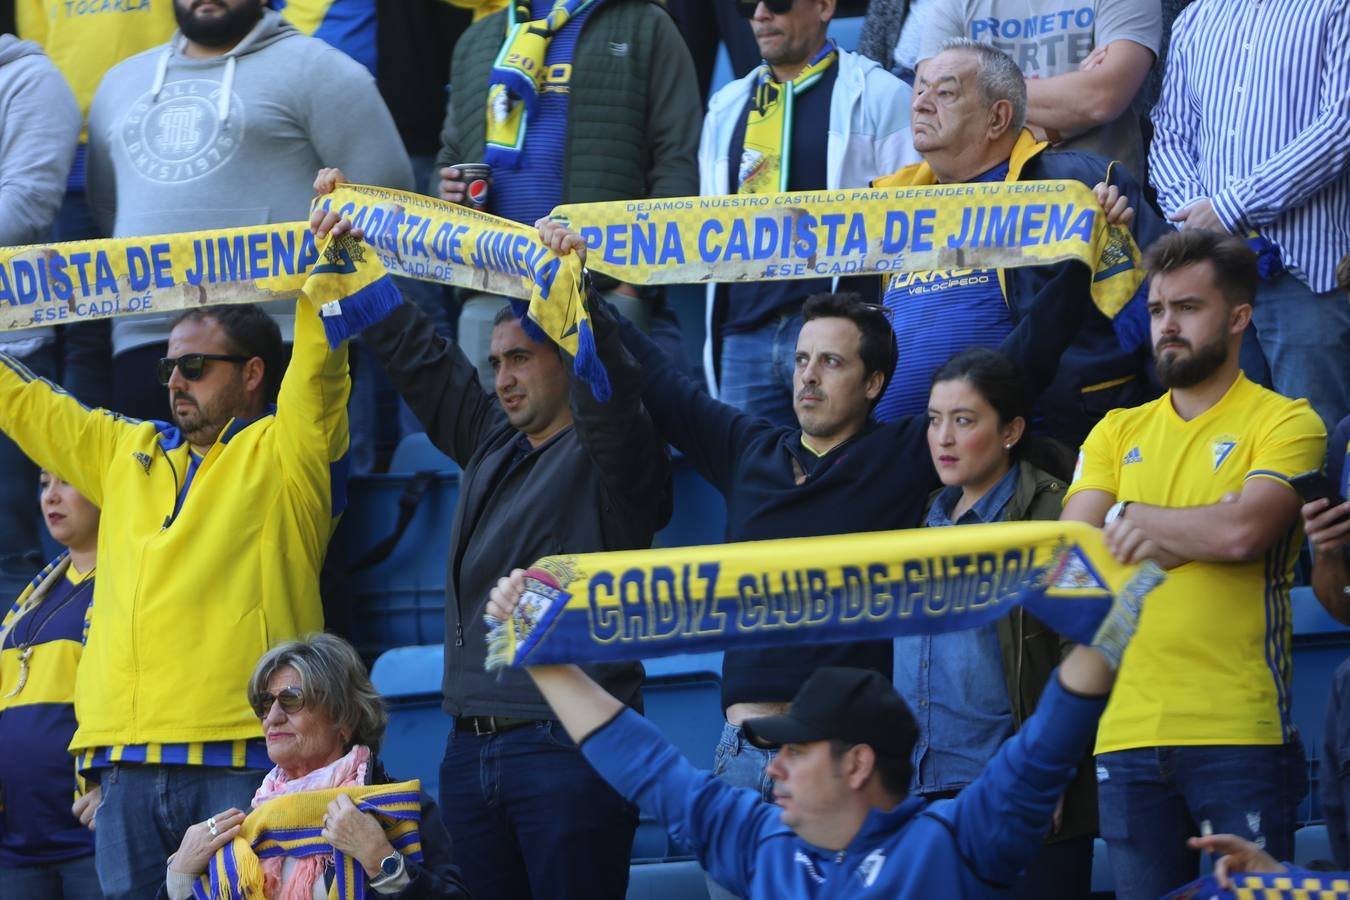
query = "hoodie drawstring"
x=161 y=72
x=226 y=88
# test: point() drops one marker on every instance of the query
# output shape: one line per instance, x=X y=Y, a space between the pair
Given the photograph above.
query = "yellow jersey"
x=1210 y=663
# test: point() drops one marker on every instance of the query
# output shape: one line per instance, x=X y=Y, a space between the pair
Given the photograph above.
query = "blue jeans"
x=21 y=555
x=70 y=879
x=1334 y=784
x=757 y=369
x=1300 y=345
x=530 y=818
x=740 y=764
x=146 y=809
x=1150 y=800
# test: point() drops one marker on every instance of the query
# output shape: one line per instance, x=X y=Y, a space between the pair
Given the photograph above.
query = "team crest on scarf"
x=1222 y=448
x=768 y=126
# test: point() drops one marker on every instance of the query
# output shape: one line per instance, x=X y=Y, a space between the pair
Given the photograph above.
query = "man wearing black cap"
x=845 y=827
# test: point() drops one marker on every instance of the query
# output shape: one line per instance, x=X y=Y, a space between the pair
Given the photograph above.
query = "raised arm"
x=722 y=824
x=618 y=435
x=432 y=374
x=711 y=434
x=311 y=429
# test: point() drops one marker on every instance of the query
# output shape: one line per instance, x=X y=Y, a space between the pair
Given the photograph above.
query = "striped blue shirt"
x=1255 y=115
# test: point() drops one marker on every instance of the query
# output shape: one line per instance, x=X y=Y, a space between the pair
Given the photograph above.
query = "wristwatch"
x=390 y=868
x=1116 y=511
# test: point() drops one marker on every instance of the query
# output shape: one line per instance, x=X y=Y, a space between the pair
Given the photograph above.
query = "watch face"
x=389 y=865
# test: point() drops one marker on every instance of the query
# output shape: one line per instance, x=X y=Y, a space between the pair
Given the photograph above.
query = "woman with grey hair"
x=327 y=816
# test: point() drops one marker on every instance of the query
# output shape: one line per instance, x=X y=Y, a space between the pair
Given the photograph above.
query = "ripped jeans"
x=1151 y=799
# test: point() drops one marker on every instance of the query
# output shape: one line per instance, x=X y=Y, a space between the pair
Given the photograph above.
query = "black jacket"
x=877 y=481
x=602 y=484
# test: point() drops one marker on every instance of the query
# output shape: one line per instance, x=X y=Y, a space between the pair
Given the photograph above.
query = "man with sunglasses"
x=812 y=116
x=216 y=525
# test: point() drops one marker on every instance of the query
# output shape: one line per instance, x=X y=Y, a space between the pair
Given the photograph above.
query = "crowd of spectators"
x=189 y=682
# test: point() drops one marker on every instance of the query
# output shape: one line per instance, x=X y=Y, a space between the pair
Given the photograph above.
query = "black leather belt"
x=485 y=725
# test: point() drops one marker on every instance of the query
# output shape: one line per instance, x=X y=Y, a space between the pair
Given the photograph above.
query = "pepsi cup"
x=477 y=178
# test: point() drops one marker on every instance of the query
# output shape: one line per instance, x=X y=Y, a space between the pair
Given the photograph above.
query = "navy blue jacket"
x=879 y=480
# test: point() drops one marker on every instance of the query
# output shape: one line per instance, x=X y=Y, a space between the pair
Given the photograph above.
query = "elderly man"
x=218 y=525
x=969 y=110
x=845 y=827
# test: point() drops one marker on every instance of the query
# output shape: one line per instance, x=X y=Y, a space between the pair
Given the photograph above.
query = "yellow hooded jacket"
x=195 y=581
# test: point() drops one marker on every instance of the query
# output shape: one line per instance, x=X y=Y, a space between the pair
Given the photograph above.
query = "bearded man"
x=1198 y=730
x=224 y=126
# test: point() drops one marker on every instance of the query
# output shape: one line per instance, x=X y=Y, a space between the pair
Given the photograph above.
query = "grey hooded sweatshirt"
x=183 y=144
x=39 y=127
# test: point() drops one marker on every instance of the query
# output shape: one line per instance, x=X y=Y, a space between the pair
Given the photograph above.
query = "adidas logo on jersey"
x=1134 y=456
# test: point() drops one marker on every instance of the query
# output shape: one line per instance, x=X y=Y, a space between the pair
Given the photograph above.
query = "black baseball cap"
x=857 y=706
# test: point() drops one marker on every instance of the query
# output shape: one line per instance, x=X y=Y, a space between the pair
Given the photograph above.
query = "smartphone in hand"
x=1315 y=485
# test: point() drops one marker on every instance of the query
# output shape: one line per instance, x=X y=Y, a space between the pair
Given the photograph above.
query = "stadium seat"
x=409 y=679
x=682 y=697
x=1321 y=644
x=682 y=880
x=700 y=513
x=399 y=600
x=416 y=453
x=1311 y=844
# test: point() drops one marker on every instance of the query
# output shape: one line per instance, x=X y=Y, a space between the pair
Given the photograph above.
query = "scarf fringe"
x=346 y=318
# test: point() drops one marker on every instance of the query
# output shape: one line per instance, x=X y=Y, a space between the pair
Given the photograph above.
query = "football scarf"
x=517 y=72
x=603 y=607
x=768 y=127
x=292 y=825
x=1296 y=885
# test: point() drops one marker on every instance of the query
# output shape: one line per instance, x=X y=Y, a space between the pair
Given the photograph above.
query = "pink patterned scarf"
x=349 y=771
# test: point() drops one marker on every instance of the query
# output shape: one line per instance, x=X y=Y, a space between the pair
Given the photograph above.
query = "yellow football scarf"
x=1300 y=885
x=768 y=127
x=292 y=825
x=600 y=607
x=517 y=72
x=756 y=237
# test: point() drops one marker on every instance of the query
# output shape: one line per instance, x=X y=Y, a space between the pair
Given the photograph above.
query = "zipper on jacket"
x=459 y=633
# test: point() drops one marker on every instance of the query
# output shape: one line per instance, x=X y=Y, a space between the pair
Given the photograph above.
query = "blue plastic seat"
x=699 y=516
x=409 y=679
x=416 y=453
x=1321 y=644
x=1312 y=844
x=681 y=880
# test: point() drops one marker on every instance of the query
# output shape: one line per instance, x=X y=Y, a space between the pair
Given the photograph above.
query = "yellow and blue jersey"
x=37 y=718
x=1210 y=663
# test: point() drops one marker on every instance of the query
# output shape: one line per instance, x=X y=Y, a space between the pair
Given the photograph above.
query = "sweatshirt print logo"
x=180 y=135
x=809 y=864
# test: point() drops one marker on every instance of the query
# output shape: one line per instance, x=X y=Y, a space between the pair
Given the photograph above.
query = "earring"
x=1007 y=446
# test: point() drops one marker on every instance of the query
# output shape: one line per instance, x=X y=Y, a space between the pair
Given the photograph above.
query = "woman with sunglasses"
x=45 y=850
x=323 y=721
x=971 y=690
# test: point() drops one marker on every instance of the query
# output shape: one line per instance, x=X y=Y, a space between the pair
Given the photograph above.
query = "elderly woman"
x=328 y=815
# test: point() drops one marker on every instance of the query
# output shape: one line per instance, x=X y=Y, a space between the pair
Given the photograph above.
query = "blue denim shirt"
x=954 y=682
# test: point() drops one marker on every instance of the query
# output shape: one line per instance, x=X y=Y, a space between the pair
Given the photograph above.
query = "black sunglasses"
x=292 y=699
x=747 y=7
x=191 y=365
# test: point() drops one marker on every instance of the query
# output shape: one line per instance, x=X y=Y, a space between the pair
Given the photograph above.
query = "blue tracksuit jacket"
x=972 y=846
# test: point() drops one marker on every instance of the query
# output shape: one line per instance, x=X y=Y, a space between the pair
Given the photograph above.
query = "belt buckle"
x=491 y=729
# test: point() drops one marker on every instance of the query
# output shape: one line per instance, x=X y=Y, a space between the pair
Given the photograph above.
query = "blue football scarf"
x=602 y=607
x=1270 y=886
